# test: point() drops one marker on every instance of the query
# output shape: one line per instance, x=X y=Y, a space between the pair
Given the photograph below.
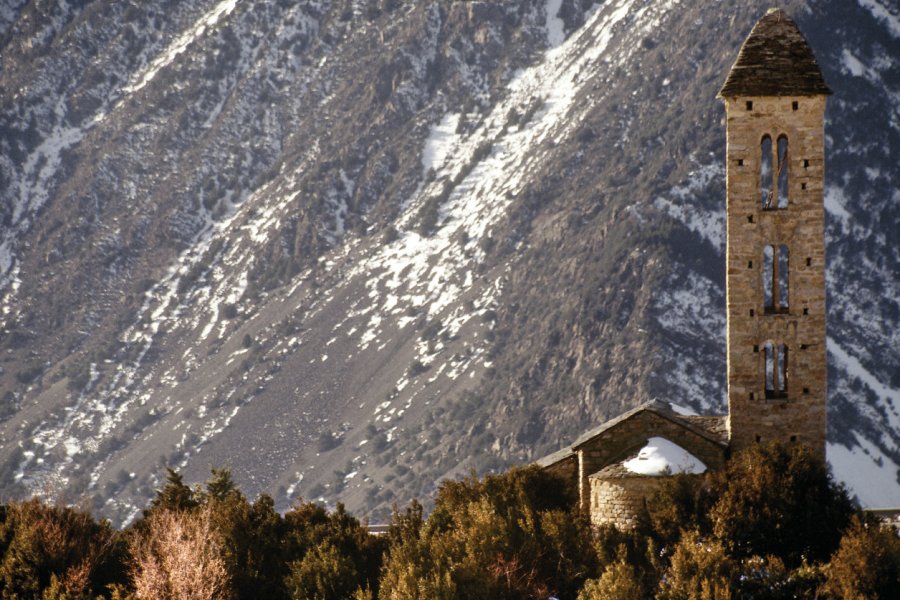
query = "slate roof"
x=709 y=427
x=558 y=456
x=775 y=60
x=663 y=409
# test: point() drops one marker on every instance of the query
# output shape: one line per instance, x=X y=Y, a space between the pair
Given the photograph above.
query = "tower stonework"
x=775 y=283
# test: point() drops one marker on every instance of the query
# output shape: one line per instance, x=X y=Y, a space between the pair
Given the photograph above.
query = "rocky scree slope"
x=350 y=248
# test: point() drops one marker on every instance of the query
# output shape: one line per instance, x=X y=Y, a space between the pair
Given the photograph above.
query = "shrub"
x=58 y=549
x=776 y=500
x=866 y=564
x=504 y=536
x=619 y=581
x=700 y=568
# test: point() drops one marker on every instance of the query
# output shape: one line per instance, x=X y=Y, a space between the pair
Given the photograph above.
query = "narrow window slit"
x=806 y=390
x=783 y=171
x=766 y=187
x=776 y=286
x=749 y=104
x=776 y=371
x=750 y=264
x=795 y=105
x=749 y=218
x=805 y=311
x=740 y=162
x=808 y=261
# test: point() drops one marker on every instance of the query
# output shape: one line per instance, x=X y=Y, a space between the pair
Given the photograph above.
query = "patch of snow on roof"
x=683 y=410
x=660 y=456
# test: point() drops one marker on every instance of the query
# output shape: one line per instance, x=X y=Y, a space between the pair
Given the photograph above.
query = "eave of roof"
x=556 y=457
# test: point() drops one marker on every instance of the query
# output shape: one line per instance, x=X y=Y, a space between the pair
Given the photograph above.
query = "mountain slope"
x=350 y=248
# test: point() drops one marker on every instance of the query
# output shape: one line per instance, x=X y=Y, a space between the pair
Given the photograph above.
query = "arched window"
x=766 y=187
x=783 y=171
x=774 y=171
x=776 y=370
x=775 y=273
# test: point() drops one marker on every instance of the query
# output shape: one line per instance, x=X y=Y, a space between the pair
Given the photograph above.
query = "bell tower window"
x=775 y=273
x=767 y=190
x=783 y=171
x=774 y=172
x=776 y=356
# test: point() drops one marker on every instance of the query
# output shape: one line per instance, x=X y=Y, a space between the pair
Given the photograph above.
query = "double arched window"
x=773 y=172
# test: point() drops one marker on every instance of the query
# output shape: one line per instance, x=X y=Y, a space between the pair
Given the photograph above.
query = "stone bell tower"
x=775 y=284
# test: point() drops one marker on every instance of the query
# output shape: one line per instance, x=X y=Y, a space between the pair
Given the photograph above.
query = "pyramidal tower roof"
x=775 y=60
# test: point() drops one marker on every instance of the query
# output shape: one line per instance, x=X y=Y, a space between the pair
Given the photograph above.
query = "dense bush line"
x=772 y=525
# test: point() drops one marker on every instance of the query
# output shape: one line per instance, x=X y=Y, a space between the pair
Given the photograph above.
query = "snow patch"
x=681 y=204
x=867 y=472
x=662 y=457
x=835 y=201
x=439 y=143
x=556 y=34
x=207 y=21
x=882 y=13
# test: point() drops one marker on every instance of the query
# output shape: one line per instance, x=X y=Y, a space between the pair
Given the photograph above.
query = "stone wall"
x=798 y=414
x=567 y=470
x=619 y=501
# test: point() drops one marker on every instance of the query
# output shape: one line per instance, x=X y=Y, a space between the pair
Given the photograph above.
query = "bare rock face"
x=350 y=248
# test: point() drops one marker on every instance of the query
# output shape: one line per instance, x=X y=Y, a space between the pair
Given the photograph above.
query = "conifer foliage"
x=771 y=525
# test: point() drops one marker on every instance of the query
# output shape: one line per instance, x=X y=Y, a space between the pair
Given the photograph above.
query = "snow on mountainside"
x=350 y=248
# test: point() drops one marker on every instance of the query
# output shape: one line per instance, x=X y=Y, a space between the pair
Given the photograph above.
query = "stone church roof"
x=711 y=428
x=775 y=60
x=708 y=428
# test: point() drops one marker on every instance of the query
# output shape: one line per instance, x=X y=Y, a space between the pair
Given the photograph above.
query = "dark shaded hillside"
x=351 y=248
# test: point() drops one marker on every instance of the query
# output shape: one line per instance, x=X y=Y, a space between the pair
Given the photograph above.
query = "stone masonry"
x=620 y=501
x=794 y=322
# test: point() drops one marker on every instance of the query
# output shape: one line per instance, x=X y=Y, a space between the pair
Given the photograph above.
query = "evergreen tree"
x=175 y=495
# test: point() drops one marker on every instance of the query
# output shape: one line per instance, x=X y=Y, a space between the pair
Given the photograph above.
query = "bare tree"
x=180 y=557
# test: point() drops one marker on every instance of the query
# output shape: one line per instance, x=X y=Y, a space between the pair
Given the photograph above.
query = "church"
x=774 y=99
